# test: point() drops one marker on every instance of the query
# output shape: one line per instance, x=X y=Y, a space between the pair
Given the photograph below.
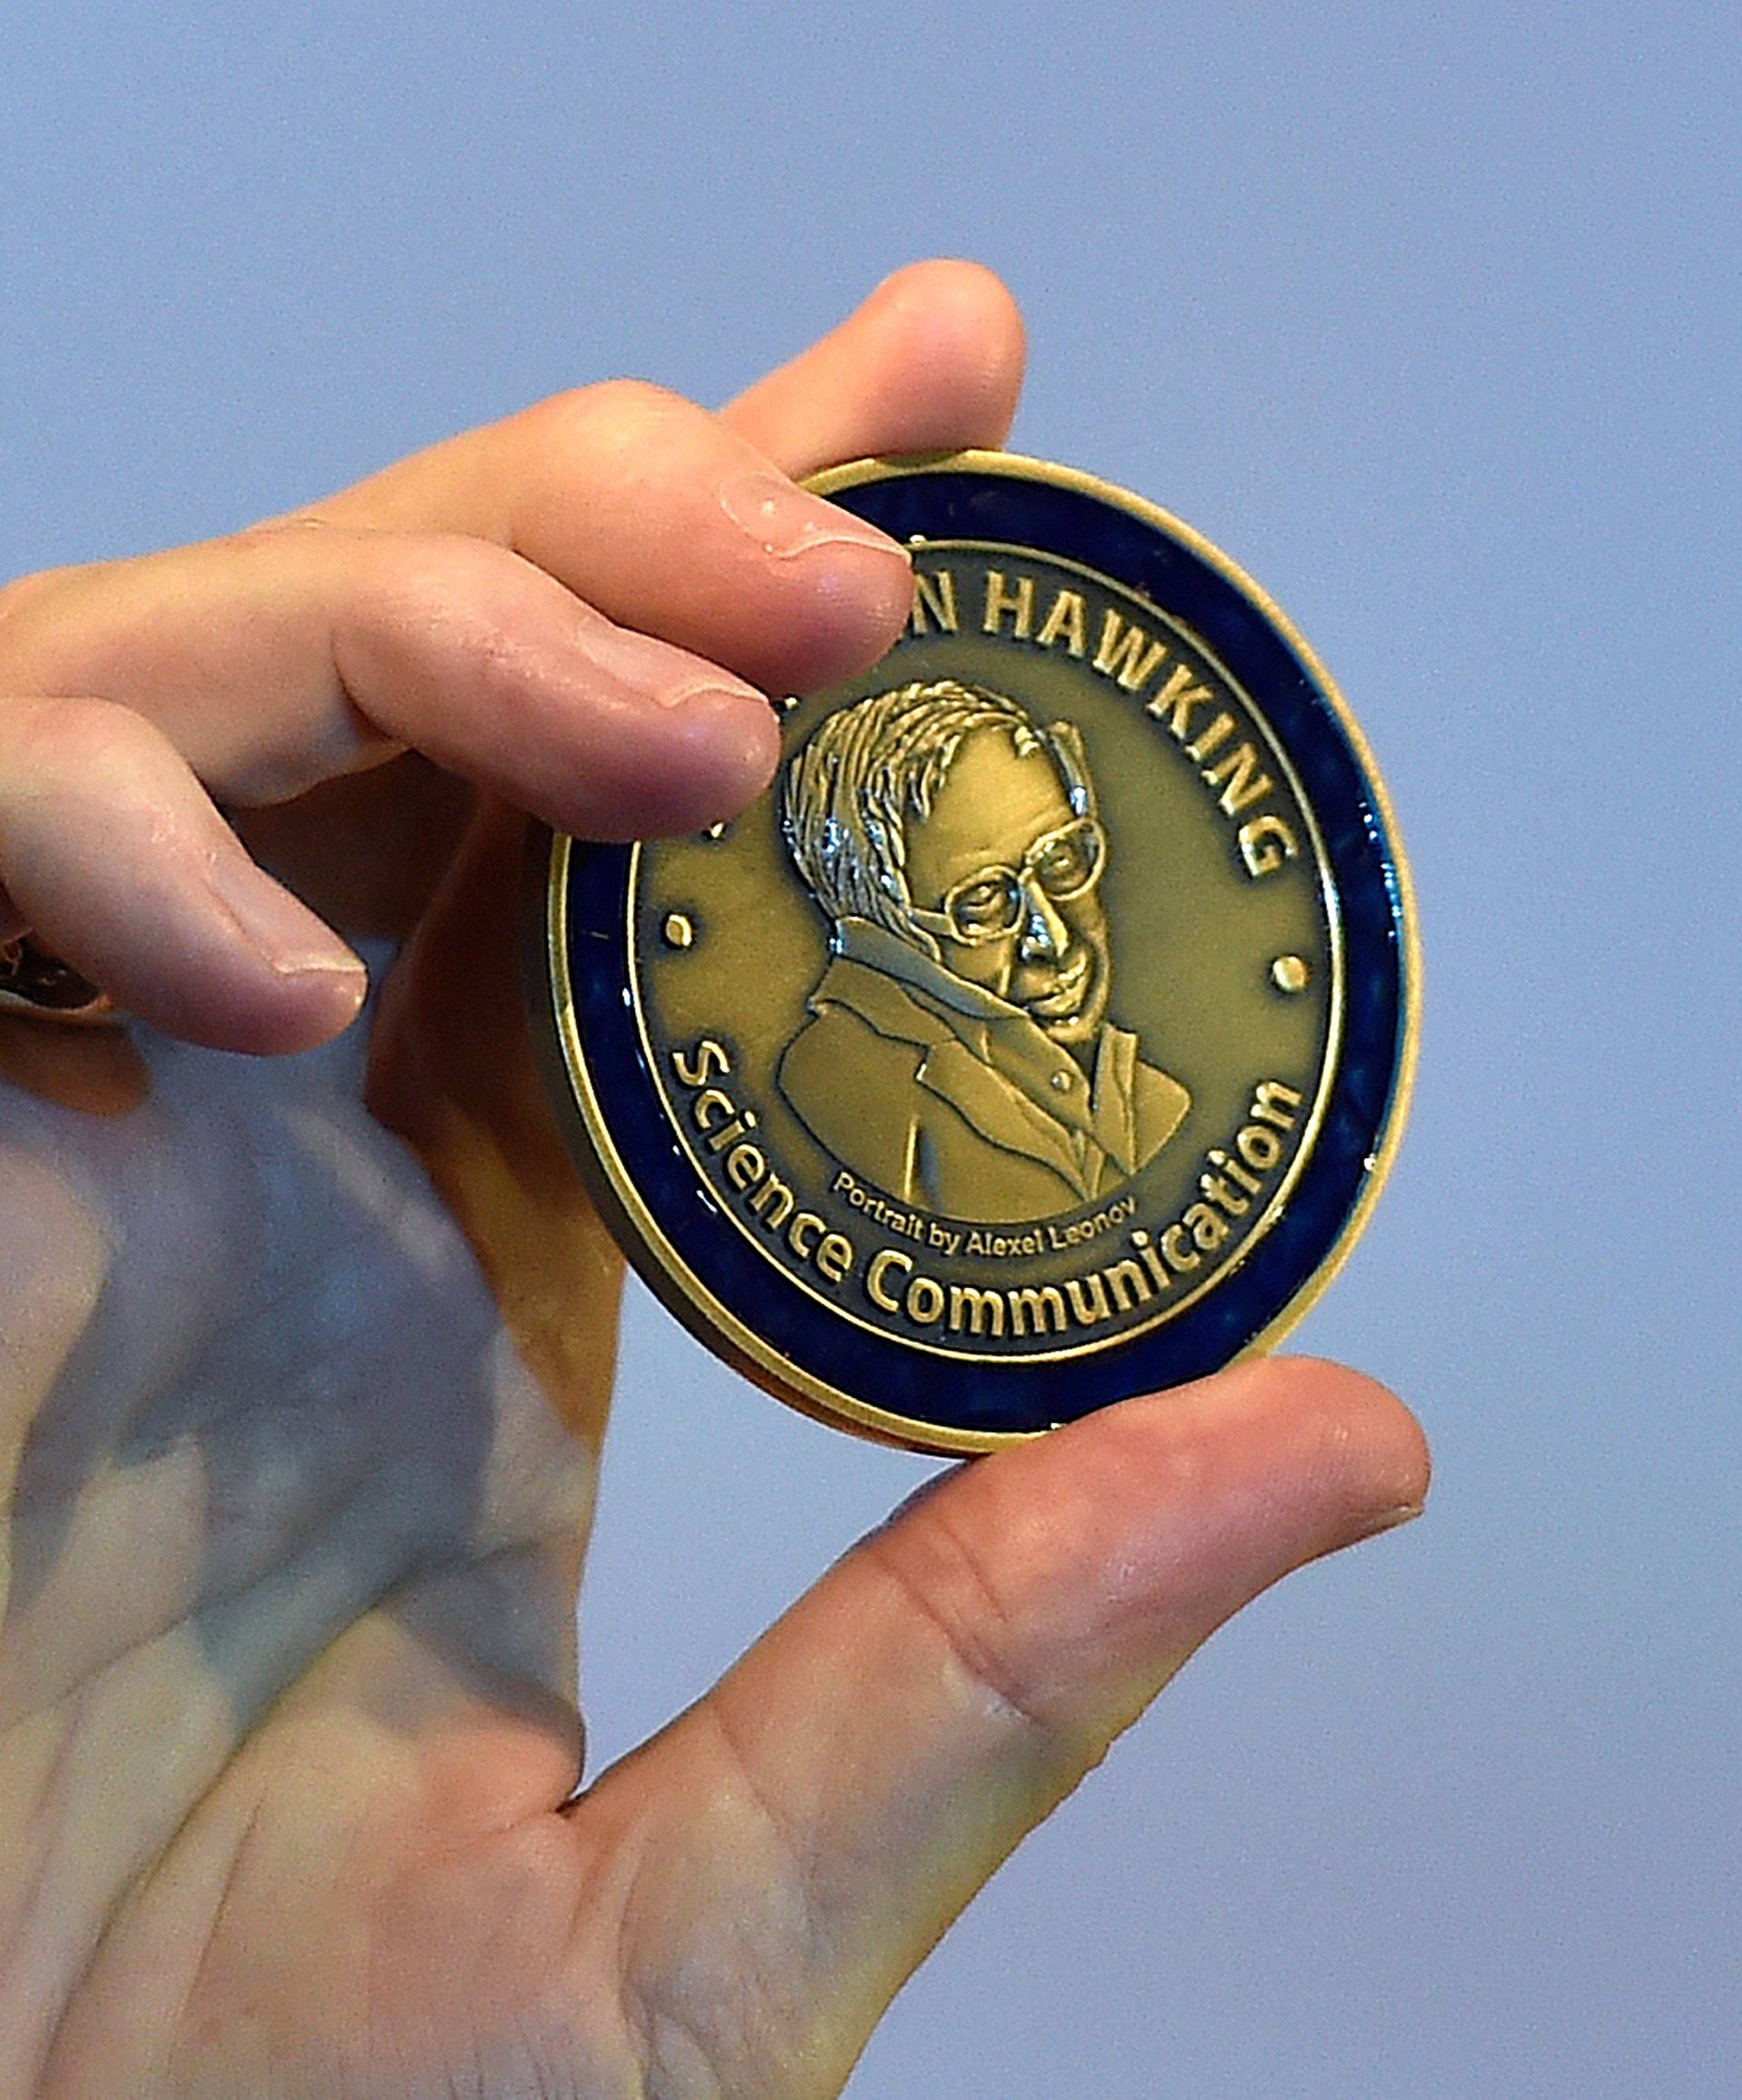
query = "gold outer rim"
x=714 y=1324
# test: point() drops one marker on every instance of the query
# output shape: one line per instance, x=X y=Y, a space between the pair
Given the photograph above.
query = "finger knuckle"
x=958 y=1599
x=23 y=592
x=610 y=417
x=441 y=578
x=77 y=736
x=28 y=602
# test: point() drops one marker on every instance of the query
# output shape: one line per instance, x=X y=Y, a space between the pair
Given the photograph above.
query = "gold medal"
x=1042 y=1037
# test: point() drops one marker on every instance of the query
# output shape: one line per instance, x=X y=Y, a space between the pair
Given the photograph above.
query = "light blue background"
x=1429 y=316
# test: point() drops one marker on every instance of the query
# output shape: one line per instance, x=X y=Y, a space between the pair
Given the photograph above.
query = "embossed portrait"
x=957 y=1052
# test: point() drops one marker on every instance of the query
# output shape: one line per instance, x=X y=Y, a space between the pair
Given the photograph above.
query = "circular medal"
x=1042 y=1037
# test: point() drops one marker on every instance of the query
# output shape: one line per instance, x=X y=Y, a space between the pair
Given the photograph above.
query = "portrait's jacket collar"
x=994 y=1066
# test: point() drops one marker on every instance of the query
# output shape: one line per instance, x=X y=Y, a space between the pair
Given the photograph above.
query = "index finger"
x=684 y=524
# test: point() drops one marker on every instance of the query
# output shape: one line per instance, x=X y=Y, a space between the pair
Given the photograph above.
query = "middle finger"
x=667 y=520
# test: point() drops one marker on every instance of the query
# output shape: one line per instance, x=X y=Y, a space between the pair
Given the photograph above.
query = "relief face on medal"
x=957 y=1053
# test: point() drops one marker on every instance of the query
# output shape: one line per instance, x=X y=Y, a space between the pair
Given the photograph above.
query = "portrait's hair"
x=848 y=793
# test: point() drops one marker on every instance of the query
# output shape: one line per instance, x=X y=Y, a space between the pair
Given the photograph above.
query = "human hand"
x=304 y=1357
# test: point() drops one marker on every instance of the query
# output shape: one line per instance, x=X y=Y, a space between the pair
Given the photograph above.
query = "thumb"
x=803 y=1836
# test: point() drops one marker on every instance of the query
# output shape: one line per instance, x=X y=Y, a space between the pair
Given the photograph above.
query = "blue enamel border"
x=955 y=503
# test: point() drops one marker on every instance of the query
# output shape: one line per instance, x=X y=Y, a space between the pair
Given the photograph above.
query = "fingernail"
x=1387 y=1520
x=280 y=928
x=785 y=521
x=665 y=674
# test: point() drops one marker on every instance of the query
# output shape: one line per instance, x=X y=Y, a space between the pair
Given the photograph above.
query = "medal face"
x=1042 y=1037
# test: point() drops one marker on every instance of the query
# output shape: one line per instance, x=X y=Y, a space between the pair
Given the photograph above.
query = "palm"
x=303 y=1391
x=293 y=1495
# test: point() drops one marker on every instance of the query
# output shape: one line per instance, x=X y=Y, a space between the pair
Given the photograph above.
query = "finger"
x=671 y=520
x=284 y=658
x=112 y=850
x=279 y=658
x=452 y=1073
x=666 y=520
x=932 y=361
x=823 y=1815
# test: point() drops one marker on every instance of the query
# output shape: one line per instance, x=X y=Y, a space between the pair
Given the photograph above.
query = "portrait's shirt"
x=946 y=1094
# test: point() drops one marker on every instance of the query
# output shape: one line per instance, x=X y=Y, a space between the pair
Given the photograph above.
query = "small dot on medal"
x=679 y=932
x=1062 y=1081
x=1290 y=973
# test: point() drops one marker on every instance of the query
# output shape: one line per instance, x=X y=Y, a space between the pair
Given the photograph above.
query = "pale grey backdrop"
x=1428 y=315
